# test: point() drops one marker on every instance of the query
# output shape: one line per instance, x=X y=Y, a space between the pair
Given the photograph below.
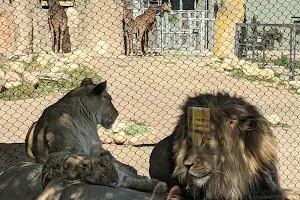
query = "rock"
x=277 y=69
x=242 y=62
x=31 y=77
x=70 y=66
x=45 y=58
x=277 y=80
x=78 y=56
x=119 y=126
x=212 y=61
x=12 y=76
x=137 y=140
x=106 y=139
x=266 y=73
x=120 y=138
x=226 y=66
x=55 y=69
x=298 y=91
x=8 y=85
x=53 y=76
x=2 y=74
x=274 y=119
x=25 y=58
x=15 y=66
x=295 y=84
x=251 y=70
x=59 y=64
x=227 y=60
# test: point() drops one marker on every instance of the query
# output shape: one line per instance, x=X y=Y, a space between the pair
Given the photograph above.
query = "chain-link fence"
x=246 y=48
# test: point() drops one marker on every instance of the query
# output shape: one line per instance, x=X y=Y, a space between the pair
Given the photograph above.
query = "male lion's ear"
x=86 y=81
x=100 y=88
x=244 y=124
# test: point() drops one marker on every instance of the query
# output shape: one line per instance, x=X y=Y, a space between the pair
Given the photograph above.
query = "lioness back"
x=70 y=125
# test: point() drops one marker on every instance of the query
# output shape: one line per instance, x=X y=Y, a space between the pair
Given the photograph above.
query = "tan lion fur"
x=240 y=159
x=236 y=161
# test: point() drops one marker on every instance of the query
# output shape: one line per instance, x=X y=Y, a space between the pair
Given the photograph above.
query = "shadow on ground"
x=12 y=153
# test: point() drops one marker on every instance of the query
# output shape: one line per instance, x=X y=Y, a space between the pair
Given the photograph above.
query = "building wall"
x=95 y=26
x=275 y=12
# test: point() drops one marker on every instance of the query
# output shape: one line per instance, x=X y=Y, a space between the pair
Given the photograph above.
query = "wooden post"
x=229 y=12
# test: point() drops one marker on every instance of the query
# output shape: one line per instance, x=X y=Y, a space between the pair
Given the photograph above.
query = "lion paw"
x=290 y=195
x=174 y=193
x=161 y=188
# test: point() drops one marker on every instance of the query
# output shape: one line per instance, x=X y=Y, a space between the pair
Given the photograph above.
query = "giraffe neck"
x=52 y=3
x=159 y=9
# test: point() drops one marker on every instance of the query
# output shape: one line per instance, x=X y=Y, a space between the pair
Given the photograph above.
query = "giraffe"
x=58 y=22
x=129 y=29
x=146 y=23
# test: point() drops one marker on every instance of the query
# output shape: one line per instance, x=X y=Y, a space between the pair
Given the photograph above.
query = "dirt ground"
x=150 y=90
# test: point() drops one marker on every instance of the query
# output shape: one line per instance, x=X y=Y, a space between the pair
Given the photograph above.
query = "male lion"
x=237 y=159
x=70 y=125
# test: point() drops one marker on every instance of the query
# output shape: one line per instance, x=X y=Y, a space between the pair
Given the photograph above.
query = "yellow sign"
x=199 y=122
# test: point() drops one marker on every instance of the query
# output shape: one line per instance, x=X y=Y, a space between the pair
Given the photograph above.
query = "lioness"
x=236 y=160
x=70 y=125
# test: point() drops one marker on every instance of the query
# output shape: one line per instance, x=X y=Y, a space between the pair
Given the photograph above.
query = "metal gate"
x=189 y=31
x=184 y=30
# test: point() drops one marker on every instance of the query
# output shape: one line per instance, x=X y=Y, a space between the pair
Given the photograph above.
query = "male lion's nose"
x=188 y=166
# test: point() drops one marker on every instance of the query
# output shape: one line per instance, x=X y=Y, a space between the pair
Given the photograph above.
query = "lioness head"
x=232 y=154
x=94 y=101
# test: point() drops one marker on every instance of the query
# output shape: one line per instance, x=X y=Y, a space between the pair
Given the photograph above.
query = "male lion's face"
x=201 y=159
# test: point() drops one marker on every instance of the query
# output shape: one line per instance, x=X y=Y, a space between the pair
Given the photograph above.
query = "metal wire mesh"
x=251 y=49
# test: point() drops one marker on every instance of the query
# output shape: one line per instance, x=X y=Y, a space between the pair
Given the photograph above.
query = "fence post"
x=291 y=50
x=254 y=40
x=237 y=44
x=264 y=47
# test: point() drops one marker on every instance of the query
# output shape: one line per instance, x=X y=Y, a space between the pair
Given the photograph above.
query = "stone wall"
x=95 y=26
x=6 y=28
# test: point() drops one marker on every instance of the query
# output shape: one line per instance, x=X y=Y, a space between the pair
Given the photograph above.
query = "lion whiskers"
x=218 y=171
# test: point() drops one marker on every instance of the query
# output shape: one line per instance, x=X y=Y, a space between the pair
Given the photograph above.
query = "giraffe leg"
x=56 y=36
x=126 y=44
x=52 y=35
x=152 y=34
x=146 y=38
x=130 y=44
x=62 y=33
x=140 y=38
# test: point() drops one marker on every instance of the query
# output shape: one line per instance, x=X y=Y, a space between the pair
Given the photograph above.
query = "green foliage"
x=172 y=18
x=268 y=36
x=285 y=61
x=45 y=87
x=137 y=129
x=238 y=73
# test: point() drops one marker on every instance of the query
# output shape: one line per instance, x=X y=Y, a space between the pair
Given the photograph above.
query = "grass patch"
x=137 y=129
x=285 y=62
x=295 y=91
x=45 y=87
x=238 y=73
x=282 y=125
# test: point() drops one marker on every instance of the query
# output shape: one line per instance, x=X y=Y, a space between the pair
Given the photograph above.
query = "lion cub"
x=101 y=170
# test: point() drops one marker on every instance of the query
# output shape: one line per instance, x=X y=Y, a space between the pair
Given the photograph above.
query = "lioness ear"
x=100 y=88
x=86 y=81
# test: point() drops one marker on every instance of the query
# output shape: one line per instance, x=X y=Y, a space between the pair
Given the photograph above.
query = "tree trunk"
x=228 y=13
